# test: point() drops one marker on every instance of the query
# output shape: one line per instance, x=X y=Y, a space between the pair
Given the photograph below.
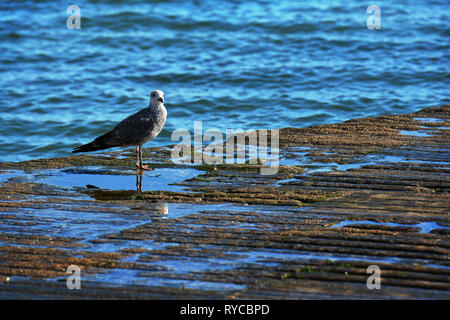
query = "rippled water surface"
x=232 y=64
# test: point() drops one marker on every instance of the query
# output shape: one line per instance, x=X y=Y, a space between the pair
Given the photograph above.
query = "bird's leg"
x=140 y=157
x=137 y=156
x=140 y=166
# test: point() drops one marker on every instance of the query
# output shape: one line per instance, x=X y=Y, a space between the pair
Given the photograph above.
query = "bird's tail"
x=89 y=147
x=98 y=144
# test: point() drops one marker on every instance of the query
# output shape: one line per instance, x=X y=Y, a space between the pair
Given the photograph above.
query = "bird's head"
x=156 y=97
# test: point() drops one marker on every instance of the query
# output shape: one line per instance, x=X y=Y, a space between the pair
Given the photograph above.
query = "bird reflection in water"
x=139 y=181
x=160 y=208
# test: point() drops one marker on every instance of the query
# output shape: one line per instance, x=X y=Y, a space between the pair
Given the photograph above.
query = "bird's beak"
x=161 y=100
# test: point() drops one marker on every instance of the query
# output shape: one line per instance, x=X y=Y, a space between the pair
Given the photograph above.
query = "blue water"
x=232 y=64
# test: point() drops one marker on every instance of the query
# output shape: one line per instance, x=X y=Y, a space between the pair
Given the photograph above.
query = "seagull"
x=134 y=130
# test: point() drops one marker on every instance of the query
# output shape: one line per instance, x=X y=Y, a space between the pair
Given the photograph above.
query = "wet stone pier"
x=370 y=191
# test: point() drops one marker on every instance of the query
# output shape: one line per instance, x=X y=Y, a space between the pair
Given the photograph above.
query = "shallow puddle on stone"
x=87 y=227
x=355 y=163
x=273 y=257
x=429 y=120
x=119 y=277
x=82 y=225
x=415 y=133
x=160 y=179
x=6 y=175
x=425 y=227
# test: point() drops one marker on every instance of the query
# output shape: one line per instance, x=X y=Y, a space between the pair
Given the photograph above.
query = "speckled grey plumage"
x=134 y=130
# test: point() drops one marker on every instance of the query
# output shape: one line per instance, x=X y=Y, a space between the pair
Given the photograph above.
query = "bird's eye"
x=153 y=95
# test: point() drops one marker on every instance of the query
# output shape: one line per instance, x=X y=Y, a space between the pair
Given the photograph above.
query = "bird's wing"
x=131 y=130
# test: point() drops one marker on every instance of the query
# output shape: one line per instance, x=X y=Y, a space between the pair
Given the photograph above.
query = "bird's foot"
x=142 y=167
